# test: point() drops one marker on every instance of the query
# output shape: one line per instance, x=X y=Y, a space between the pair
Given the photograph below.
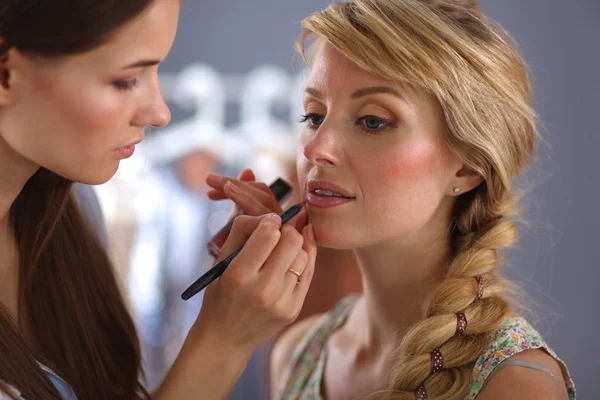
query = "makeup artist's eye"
x=126 y=84
x=314 y=120
x=373 y=124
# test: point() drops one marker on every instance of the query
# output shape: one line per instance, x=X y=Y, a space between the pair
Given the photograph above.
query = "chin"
x=94 y=177
x=332 y=239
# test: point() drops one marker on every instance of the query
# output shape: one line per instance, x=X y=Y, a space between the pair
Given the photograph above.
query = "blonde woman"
x=418 y=121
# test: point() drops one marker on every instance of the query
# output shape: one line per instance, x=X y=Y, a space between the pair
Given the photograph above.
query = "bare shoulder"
x=520 y=383
x=284 y=347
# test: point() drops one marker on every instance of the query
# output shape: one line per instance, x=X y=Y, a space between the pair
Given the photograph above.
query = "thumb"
x=247 y=175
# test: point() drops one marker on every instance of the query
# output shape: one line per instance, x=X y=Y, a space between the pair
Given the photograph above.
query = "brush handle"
x=212 y=274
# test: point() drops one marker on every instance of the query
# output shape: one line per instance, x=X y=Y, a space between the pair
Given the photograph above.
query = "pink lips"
x=324 y=201
x=125 y=152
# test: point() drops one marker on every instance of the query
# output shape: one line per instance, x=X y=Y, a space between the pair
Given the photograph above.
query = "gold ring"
x=298 y=274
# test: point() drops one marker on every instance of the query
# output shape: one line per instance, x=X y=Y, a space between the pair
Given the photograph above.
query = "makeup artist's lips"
x=323 y=194
x=126 y=151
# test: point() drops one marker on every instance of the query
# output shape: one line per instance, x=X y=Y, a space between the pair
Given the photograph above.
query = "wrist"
x=222 y=348
x=205 y=364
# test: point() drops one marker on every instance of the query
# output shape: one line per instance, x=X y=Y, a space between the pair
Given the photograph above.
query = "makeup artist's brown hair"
x=69 y=303
x=449 y=49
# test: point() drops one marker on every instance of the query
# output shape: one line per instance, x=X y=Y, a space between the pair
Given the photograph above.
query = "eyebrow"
x=142 y=64
x=362 y=92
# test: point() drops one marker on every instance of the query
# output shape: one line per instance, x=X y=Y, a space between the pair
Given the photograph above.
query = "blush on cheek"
x=409 y=163
x=88 y=106
x=98 y=115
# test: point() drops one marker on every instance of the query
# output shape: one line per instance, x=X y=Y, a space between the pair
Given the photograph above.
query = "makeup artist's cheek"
x=87 y=106
x=99 y=115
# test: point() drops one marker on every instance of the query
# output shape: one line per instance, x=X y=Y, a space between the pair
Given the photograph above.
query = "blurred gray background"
x=556 y=259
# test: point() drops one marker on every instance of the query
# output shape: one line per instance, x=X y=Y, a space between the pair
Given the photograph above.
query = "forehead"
x=148 y=35
x=333 y=70
x=333 y=74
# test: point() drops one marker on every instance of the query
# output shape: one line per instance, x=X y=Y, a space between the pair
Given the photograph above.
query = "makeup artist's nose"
x=155 y=111
x=324 y=147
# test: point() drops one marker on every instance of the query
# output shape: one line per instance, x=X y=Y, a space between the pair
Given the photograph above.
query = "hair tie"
x=479 y=280
x=437 y=361
x=461 y=324
x=421 y=393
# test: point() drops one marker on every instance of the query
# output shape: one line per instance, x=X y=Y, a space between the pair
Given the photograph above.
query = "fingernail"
x=234 y=189
x=311 y=233
x=276 y=218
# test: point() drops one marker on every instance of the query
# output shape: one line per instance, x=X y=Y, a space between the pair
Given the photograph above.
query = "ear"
x=5 y=77
x=465 y=180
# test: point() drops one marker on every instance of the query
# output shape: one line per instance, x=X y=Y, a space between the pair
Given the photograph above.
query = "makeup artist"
x=78 y=83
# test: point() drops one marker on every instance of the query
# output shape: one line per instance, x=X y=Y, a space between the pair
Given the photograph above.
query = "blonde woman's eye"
x=375 y=124
x=313 y=120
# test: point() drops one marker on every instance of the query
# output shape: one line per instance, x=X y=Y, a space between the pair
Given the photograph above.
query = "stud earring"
x=456 y=190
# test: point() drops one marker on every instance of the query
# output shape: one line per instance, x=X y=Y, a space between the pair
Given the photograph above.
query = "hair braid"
x=476 y=256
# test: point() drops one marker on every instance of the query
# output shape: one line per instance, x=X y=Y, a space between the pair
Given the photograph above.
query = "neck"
x=397 y=277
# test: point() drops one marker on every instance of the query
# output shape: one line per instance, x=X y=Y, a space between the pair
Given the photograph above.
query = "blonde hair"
x=448 y=49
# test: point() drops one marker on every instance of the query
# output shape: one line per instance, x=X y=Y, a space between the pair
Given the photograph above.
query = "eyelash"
x=386 y=124
x=126 y=84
